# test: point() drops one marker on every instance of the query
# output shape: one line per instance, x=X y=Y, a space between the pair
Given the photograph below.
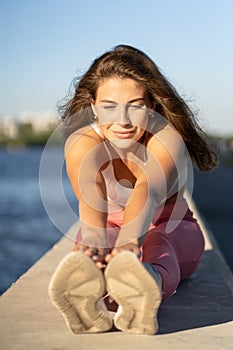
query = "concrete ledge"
x=199 y=315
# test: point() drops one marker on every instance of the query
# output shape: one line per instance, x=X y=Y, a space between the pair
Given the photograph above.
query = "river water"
x=26 y=230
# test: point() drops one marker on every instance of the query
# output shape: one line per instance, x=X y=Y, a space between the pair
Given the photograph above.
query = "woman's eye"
x=136 y=106
x=110 y=108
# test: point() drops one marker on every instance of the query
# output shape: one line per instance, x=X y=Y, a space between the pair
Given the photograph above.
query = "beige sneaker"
x=76 y=289
x=136 y=292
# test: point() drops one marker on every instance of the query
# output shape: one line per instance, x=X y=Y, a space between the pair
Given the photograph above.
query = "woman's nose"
x=123 y=117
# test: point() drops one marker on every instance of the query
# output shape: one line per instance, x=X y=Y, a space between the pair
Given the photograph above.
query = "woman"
x=130 y=138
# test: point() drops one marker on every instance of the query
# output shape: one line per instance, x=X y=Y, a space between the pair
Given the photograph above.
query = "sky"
x=45 y=44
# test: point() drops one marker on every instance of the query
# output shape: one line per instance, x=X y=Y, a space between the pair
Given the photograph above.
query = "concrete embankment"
x=199 y=316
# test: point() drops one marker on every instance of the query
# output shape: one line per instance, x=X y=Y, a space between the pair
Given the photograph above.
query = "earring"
x=94 y=111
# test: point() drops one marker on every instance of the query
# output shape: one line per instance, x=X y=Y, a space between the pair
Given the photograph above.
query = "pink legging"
x=175 y=254
x=174 y=244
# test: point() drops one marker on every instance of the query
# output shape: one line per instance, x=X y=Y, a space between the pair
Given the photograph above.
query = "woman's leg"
x=175 y=255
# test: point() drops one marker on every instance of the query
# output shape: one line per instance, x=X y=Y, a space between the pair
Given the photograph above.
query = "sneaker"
x=137 y=293
x=76 y=289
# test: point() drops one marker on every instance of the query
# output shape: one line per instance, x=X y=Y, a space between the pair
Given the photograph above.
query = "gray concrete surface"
x=199 y=315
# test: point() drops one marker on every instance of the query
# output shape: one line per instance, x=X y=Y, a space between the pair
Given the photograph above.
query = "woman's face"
x=122 y=108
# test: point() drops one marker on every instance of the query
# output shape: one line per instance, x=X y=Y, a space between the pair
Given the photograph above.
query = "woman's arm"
x=84 y=156
x=166 y=160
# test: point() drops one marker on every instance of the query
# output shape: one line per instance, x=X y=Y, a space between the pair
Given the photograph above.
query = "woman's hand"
x=132 y=246
x=98 y=255
x=102 y=256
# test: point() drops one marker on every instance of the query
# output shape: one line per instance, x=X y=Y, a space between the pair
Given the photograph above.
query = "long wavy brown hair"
x=128 y=62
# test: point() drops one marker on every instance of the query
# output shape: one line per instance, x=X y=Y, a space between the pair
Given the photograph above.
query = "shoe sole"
x=136 y=292
x=76 y=289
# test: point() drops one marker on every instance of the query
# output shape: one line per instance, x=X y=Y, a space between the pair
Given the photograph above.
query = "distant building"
x=8 y=127
x=40 y=122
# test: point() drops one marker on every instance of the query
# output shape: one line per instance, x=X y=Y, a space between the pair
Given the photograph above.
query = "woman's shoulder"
x=84 y=137
x=80 y=143
x=160 y=127
x=165 y=137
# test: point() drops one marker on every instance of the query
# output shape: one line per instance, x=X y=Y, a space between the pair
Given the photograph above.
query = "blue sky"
x=45 y=43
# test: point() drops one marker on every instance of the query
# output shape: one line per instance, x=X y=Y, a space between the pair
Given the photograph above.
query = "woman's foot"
x=76 y=289
x=137 y=293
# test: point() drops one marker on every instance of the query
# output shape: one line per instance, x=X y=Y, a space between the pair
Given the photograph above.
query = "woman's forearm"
x=138 y=215
x=93 y=227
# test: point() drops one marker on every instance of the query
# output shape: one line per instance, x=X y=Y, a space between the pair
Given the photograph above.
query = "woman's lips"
x=124 y=134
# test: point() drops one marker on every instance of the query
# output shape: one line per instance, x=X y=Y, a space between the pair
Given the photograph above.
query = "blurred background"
x=44 y=45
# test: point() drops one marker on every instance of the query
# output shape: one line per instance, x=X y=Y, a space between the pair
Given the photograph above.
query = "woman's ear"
x=151 y=104
x=92 y=101
x=93 y=109
x=152 y=109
